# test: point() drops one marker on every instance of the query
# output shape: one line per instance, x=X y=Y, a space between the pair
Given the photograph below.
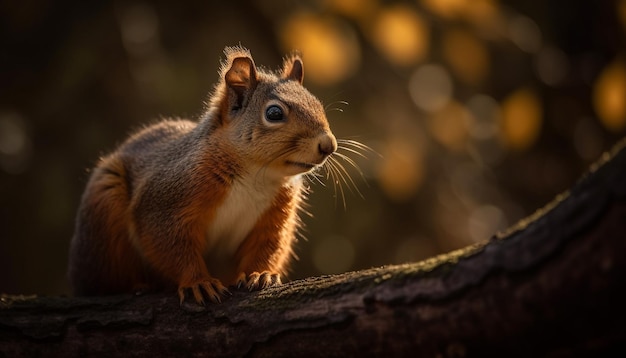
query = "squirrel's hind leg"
x=102 y=259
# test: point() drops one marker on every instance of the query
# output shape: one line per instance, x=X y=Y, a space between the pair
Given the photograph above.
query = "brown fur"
x=148 y=216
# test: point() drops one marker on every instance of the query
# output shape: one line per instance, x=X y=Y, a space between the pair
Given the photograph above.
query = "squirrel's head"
x=271 y=120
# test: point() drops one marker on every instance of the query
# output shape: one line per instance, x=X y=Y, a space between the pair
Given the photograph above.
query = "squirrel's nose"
x=327 y=144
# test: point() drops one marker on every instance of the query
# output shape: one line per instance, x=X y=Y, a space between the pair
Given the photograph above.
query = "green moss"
x=295 y=293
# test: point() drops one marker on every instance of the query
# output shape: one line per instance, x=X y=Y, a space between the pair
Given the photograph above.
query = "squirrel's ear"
x=241 y=77
x=293 y=69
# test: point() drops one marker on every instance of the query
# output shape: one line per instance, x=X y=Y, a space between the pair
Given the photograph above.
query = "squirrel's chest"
x=236 y=216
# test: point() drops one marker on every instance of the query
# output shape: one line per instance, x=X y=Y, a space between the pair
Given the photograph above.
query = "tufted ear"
x=241 y=79
x=293 y=68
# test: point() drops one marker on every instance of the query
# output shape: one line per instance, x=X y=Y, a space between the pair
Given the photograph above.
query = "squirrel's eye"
x=274 y=114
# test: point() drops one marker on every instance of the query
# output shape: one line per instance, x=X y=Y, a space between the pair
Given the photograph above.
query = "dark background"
x=481 y=111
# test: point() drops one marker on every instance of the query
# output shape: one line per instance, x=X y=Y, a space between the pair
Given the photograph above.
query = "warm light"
x=521 y=119
x=359 y=10
x=445 y=8
x=330 y=48
x=466 y=55
x=609 y=96
x=450 y=126
x=484 y=14
x=430 y=87
x=402 y=172
x=401 y=35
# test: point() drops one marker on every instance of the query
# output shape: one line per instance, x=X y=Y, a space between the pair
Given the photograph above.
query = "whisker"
x=352 y=163
x=359 y=145
x=326 y=170
x=333 y=168
x=336 y=174
x=317 y=173
x=334 y=103
x=352 y=151
x=314 y=177
x=341 y=176
x=343 y=173
x=330 y=174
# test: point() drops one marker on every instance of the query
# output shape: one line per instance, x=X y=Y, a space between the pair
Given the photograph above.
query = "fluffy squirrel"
x=199 y=206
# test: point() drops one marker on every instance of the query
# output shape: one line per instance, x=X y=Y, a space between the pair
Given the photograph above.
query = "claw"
x=241 y=280
x=253 y=281
x=267 y=280
x=277 y=280
x=258 y=281
x=210 y=288
x=216 y=298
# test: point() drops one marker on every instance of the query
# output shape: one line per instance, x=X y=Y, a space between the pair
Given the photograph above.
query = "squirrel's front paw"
x=209 y=287
x=257 y=281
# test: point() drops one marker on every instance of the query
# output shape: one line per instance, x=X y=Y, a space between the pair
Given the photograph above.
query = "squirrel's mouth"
x=306 y=166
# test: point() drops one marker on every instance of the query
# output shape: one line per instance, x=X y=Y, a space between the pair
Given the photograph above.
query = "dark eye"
x=274 y=114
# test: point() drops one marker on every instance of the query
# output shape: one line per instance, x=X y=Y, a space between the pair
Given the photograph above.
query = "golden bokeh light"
x=484 y=13
x=450 y=126
x=467 y=56
x=402 y=172
x=609 y=96
x=430 y=87
x=329 y=46
x=446 y=8
x=401 y=35
x=521 y=119
x=360 y=10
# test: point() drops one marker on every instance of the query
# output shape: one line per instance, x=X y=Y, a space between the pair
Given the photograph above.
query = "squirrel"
x=200 y=206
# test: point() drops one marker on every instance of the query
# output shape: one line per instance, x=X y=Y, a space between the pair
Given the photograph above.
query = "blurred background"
x=479 y=111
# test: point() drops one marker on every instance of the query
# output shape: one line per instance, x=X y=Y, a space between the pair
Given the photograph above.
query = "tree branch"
x=551 y=285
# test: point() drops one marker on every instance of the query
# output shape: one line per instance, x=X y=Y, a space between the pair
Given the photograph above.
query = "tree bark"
x=554 y=284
